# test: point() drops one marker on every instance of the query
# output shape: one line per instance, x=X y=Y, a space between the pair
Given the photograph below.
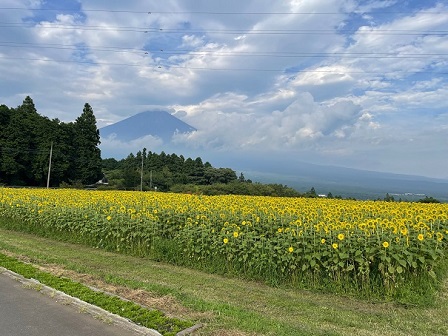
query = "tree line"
x=27 y=138
x=171 y=172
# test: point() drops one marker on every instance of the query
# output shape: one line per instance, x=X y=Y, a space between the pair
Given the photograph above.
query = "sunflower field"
x=369 y=246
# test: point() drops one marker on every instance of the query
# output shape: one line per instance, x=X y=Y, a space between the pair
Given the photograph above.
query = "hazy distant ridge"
x=358 y=183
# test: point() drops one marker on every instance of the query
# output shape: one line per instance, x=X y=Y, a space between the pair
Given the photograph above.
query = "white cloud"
x=238 y=127
x=352 y=95
x=111 y=146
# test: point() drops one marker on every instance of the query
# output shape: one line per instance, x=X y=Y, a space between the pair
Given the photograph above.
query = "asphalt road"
x=28 y=312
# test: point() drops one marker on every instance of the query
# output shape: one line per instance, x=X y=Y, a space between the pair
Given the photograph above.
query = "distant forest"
x=170 y=172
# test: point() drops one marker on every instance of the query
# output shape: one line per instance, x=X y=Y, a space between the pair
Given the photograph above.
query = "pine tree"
x=87 y=154
x=19 y=145
x=28 y=106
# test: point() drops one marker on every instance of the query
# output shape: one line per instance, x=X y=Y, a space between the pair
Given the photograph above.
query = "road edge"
x=82 y=306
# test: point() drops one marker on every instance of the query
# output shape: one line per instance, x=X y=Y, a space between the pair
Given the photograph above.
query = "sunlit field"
x=370 y=247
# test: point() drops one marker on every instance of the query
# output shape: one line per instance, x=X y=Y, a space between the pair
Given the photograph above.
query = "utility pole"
x=49 y=165
x=150 y=180
x=141 y=176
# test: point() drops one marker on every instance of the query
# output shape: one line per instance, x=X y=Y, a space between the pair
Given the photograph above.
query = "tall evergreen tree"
x=28 y=106
x=19 y=146
x=44 y=131
x=31 y=124
x=4 y=117
x=6 y=160
x=62 y=166
x=87 y=154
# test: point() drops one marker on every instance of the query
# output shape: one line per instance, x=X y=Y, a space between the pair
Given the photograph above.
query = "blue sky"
x=360 y=84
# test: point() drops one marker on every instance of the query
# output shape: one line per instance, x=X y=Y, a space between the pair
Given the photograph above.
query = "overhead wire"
x=147 y=30
x=371 y=31
x=163 y=68
x=60 y=46
x=149 y=12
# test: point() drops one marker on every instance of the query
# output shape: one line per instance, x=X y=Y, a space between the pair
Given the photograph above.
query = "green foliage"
x=162 y=171
x=237 y=188
x=389 y=198
x=428 y=200
x=170 y=172
x=72 y=185
x=311 y=193
x=86 y=140
x=19 y=147
x=25 y=143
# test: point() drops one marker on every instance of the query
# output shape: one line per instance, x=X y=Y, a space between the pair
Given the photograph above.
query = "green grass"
x=153 y=319
x=231 y=306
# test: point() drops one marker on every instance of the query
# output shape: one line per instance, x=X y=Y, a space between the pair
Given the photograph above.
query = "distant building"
x=103 y=181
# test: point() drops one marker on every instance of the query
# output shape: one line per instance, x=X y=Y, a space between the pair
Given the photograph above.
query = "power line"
x=69 y=47
x=163 y=68
x=149 y=12
x=220 y=53
x=227 y=31
x=97 y=47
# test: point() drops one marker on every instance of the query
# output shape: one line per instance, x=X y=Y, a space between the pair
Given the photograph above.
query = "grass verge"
x=229 y=306
x=153 y=319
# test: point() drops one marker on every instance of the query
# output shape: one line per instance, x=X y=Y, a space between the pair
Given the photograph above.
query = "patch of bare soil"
x=167 y=303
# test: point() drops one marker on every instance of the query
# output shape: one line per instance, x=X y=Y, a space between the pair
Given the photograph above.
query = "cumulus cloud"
x=298 y=125
x=340 y=84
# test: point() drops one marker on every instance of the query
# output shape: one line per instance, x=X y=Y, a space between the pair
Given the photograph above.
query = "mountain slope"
x=360 y=184
x=348 y=182
x=157 y=123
